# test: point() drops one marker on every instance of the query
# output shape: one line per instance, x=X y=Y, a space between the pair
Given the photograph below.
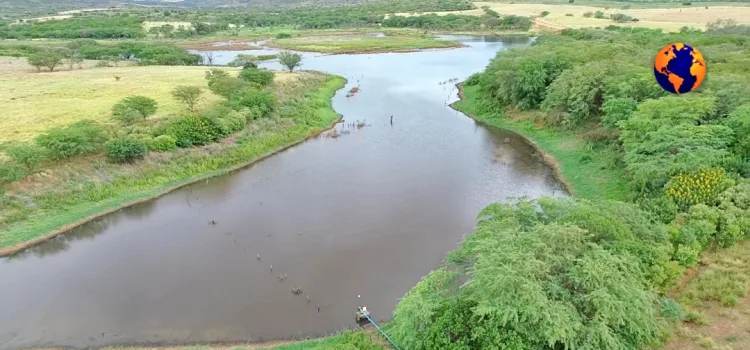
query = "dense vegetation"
x=490 y=20
x=95 y=27
x=593 y=274
x=144 y=52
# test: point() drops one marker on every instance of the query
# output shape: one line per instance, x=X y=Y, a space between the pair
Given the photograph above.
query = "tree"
x=547 y=274
x=166 y=30
x=224 y=85
x=133 y=108
x=188 y=95
x=47 y=59
x=209 y=58
x=290 y=60
x=155 y=30
x=73 y=58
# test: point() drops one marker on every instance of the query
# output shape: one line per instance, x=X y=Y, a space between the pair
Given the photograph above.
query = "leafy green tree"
x=226 y=86
x=166 y=30
x=290 y=60
x=134 y=108
x=575 y=96
x=155 y=31
x=537 y=277
x=48 y=59
x=188 y=95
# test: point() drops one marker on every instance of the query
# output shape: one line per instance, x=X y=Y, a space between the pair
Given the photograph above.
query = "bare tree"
x=209 y=58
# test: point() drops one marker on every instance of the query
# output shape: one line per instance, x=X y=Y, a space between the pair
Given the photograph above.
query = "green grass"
x=361 y=43
x=54 y=209
x=34 y=102
x=725 y=280
x=592 y=173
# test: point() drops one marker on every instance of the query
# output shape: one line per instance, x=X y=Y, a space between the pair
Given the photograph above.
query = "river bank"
x=586 y=173
x=155 y=180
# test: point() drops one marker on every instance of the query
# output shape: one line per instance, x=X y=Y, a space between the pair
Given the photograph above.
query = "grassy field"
x=88 y=186
x=669 y=19
x=361 y=43
x=591 y=173
x=717 y=302
x=34 y=102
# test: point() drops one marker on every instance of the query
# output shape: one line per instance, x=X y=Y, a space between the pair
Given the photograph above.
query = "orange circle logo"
x=679 y=68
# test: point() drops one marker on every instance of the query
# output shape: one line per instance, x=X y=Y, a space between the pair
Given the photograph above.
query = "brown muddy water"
x=366 y=213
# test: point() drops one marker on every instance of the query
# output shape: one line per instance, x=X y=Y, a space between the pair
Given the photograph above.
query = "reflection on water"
x=366 y=213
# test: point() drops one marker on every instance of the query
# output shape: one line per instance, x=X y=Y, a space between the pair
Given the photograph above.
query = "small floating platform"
x=362 y=316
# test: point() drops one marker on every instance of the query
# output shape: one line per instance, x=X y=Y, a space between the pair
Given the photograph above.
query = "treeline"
x=579 y=274
x=459 y=22
x=145 y=53
x=94 y=27
x=352 y=18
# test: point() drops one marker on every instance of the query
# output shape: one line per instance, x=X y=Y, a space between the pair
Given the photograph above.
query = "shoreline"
x=547 y=157
x=19 y=247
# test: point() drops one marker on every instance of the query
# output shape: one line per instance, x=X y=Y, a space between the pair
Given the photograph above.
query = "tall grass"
x=53 y=210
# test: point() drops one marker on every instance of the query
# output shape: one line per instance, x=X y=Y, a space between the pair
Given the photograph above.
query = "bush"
x=163 y=143
x=29 y=155
x=599 y=14
x=702 y=186
x=11 y=171
x=125 y=149
x=544 y=14
x=264 y=101
x=83 y=137
x=283 y=36
x=261 y=77
x=193 y=130
x=588 y=14
x=230 y=123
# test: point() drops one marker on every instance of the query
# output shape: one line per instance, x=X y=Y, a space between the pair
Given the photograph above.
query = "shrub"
x=125 y=149
x=264 y=101
x=702 y=186
x=83 y=137
x=259 y=76
x=283 y=35
x=29 y=155
x=231 y=122
x=588 y=14
x=599 y=14
x=133 y=108
x=11 y=171
x=544 y=14
x=193 y=130
x=569 y=15
x=163 y=143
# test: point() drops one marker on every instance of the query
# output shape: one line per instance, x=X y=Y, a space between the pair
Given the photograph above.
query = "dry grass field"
x=668 y=19
x=34 y=102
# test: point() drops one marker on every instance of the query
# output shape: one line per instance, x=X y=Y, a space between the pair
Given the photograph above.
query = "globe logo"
x=679 y=68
